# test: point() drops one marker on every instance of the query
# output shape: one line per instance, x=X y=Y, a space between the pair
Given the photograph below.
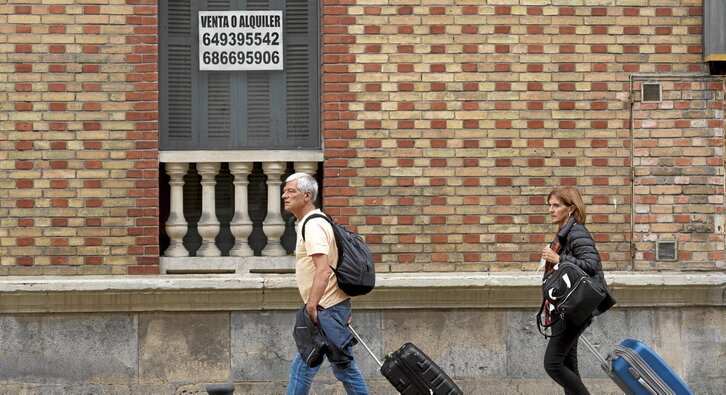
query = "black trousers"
x=560 y=361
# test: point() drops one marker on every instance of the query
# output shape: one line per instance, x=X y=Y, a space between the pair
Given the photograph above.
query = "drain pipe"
x=631 y=103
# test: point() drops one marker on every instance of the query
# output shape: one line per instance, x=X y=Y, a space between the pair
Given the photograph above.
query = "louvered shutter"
x=176 y=64
x=258 y=109
x=218 y=88
x=302 y=71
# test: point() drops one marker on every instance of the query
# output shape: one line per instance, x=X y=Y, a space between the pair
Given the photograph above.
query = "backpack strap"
x=316 y=215
x=335 y=235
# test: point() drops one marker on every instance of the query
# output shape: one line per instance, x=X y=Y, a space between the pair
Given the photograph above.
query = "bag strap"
x=542 y=328
x=335 y=235
x=316 y=215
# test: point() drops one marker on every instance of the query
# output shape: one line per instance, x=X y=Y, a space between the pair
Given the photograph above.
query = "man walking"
x=326 y=304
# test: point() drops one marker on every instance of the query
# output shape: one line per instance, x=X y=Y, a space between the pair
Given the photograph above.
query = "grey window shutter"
x=258 y=109
x=218 y=106
x=257 y=98
x=239 y=109
x=176 y=76
x=218 y=96
x=301 y=51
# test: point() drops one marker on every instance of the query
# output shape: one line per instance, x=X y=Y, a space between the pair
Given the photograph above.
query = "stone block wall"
x=485 y=351
x=78 y=137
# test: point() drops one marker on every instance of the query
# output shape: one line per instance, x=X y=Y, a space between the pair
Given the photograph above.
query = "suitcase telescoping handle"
x=603 y=362
x=365 y=345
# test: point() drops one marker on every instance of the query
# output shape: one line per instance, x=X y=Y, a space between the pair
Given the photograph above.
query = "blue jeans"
x=301 y=375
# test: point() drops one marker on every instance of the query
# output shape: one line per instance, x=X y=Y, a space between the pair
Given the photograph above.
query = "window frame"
x=278 y=133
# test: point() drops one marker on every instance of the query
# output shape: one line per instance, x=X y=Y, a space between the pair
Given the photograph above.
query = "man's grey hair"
x=305 y=183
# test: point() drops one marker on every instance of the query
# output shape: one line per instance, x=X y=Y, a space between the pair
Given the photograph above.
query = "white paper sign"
x=240 y=40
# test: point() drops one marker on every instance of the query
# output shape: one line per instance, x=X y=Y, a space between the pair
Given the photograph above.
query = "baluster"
x=273 y=226
x=176 y=225
x=306 y=167
x=208 y=225
x=241 y=225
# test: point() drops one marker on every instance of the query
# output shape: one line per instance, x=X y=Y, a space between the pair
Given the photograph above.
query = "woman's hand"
x=550 y=256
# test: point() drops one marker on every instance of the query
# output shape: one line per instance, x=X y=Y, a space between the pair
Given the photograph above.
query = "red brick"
x=502 y=29
x=501 y=48
x=20 y=184
x=502 y=10
x=502 y=68
x=58 y=48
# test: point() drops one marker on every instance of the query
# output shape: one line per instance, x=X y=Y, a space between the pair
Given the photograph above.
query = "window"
x=237 y=110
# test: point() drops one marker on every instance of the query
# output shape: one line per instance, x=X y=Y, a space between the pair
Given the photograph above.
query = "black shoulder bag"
x=569 y=295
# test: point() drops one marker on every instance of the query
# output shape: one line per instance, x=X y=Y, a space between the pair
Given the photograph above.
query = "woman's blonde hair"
x=571 y=197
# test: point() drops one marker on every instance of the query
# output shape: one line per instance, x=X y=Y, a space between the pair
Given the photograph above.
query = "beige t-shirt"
x=319 y=239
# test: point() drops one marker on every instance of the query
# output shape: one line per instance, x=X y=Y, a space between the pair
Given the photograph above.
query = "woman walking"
x=575 y=245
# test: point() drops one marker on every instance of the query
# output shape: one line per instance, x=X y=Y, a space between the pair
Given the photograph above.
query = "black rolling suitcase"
x=412 y=372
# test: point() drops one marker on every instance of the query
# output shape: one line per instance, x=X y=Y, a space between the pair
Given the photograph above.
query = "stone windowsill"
x=215 y=156
x=230 y=292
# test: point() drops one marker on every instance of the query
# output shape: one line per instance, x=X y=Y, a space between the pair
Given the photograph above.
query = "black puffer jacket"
x=578 y=247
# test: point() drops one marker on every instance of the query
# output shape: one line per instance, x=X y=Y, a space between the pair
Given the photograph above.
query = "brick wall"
x=446 y=123
x=78 y=131
x=679 y=173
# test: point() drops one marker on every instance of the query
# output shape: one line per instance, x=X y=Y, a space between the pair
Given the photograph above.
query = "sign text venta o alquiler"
x=240 y=40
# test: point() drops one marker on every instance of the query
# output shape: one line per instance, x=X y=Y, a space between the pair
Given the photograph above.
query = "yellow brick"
x=119 y=30
x=25 y=39
x=119 y=270
x=117 y=10
x=95 y=270
x=24 y=19
x=57 y=19
x=90 y=19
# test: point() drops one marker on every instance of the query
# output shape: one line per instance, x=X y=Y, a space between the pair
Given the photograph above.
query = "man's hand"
x=313 y=313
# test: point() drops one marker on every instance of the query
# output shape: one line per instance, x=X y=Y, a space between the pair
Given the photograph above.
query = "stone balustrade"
x=178 y=258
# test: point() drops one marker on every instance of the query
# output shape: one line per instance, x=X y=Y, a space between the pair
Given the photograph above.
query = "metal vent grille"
x=650 y=92
x=665 y=250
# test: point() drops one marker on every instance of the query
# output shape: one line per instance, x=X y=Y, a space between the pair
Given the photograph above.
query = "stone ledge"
x=394 y=291
x=225 y=264
x=201 y=156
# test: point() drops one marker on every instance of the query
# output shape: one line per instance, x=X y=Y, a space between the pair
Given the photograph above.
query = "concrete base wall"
x=176 y=334
x=493 y=351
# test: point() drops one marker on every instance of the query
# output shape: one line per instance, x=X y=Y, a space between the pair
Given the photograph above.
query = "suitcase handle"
x=641 y=381
x=603 y=362
x=380 y=364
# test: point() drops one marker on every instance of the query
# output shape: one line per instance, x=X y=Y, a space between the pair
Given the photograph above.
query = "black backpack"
x=356 y=272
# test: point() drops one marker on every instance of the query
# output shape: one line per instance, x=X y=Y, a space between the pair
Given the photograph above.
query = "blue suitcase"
x=638 y=370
